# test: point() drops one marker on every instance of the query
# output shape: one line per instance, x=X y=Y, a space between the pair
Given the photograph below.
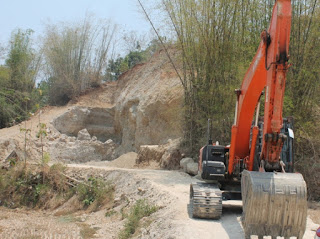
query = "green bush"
x=95 y=191
x=24 y=186
x=139 y=210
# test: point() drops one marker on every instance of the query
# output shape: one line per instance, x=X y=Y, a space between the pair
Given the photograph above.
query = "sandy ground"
x=168 y=189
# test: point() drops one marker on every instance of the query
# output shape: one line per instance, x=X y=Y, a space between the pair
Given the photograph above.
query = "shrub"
x=139 y=210
x=31 y=186
x=95 y=192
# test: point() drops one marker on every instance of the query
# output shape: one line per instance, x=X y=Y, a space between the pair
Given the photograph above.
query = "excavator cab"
x=213 y=162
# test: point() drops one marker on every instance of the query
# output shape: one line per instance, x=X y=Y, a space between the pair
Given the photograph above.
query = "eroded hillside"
x=142 y=108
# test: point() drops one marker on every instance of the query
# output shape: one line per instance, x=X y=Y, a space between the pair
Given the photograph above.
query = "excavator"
x=258 y=165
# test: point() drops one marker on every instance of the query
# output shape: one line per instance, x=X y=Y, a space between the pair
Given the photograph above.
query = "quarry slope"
x=143 y=107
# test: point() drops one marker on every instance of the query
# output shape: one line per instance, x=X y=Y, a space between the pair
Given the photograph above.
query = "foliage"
x=135 y=56
x=76 y=56
x=217 y=40
x=20 y=61
x=23 y=185
x=41 y=94
x=17 y=79
x=94 y=191
x=139 y=210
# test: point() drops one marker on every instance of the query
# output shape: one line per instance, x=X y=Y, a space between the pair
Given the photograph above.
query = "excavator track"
x=205 y=201
x=274 y=204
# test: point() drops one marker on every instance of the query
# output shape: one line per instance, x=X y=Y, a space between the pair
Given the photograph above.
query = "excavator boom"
x=266 y=72
x=274 y=202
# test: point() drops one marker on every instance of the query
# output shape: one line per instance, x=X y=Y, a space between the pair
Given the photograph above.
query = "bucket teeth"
x=205 y=201
x=274 y=204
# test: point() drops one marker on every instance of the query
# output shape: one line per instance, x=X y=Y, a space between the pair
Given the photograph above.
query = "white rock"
x=72 y=139
x=84 y=135
x=109 y=141
x=184 y=162
x=94 y=138
x=192 y=168
x=63 y=138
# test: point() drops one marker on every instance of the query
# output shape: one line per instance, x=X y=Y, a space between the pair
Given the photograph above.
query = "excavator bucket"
x=274 y=204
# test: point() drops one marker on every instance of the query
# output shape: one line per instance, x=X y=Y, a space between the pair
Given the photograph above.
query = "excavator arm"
x=274 y=202
x=267 y=72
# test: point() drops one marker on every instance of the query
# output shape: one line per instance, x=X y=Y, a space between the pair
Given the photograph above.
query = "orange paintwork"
x=255 y=81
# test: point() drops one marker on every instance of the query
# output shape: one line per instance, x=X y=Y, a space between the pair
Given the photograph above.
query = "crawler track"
x=205 y=201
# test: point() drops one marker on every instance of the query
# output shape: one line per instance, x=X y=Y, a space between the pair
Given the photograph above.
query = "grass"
x=87 y=232
x=110 y=213
x=139 y=210
x=95 y=192
x=69 y=219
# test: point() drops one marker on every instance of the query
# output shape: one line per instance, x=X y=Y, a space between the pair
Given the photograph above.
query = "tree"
x=120 y=65
x=76 y=56
x=20 y=61
x=17 y=79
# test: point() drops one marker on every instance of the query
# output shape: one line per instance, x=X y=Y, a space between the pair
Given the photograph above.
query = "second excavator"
x=259 y=160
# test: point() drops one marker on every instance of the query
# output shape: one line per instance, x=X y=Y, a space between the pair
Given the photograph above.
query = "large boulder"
x=149 y=153
x=192 y=168
x=172 y=156
x=184 y=162
x=168 y=155
x=8 y=146
x=98 y=122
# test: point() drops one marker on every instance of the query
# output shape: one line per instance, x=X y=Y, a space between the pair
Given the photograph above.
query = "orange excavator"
x=258 y=164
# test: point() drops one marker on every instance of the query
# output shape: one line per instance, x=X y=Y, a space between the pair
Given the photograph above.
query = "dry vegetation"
x=43 y=186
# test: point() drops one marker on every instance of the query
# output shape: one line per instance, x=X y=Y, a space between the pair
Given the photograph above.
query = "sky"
x=34 y=14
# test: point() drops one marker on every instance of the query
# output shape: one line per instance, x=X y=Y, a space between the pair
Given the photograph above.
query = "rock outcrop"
x=144 y=107
x=98 y=122
x=168 y=156
x=148 y=105
x=83 y=135
x=149 y=153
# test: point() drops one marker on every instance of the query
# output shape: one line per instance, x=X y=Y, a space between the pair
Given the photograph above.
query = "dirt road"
x=175 y=185
x=167 y=189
